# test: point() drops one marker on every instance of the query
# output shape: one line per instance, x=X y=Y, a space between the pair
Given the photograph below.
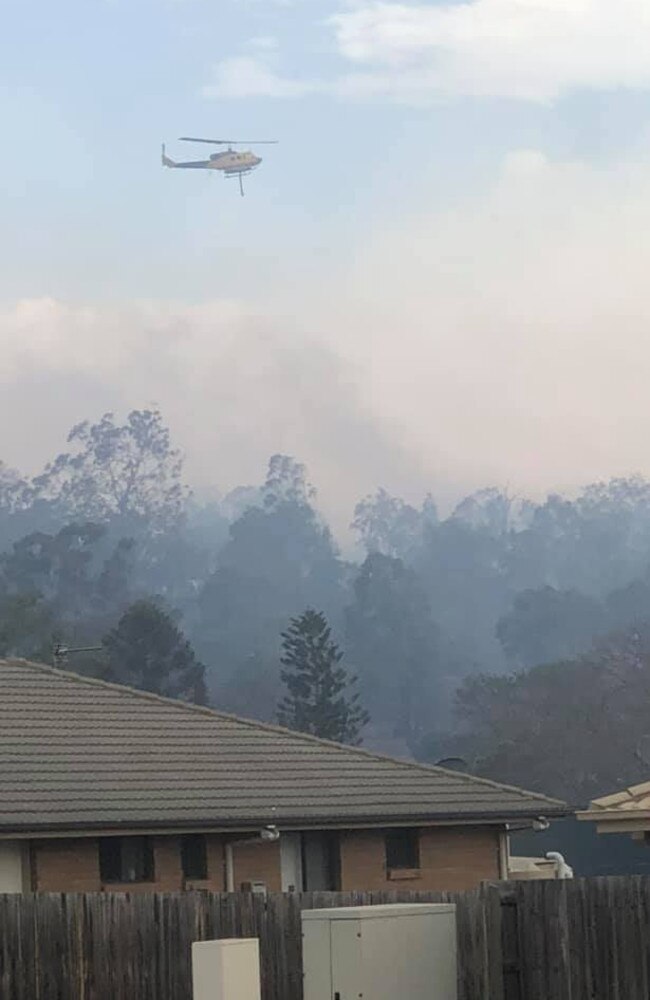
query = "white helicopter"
x=230 y=162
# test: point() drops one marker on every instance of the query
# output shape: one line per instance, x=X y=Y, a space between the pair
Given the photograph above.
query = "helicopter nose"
x=258 y=160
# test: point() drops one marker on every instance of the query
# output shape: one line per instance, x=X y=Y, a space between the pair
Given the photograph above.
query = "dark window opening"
x=126 y=859
x=194 y=856
x=321 y=862
x=402 y=849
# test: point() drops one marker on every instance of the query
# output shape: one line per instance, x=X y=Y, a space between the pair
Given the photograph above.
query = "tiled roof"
x=634 y=800
x=80 y=753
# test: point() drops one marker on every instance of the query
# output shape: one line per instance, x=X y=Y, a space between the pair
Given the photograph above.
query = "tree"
x=78 y=571
x=575 y=729
x=279 y=556
x=12 y=488
x=321 y=699
x=286 y=482
x=391 y=526
x=464 y=572
x=28 y=628
x=148 y=651
x=128 y=471
x=547 y=625
x=395 y=645
x=236 y=626
x=491 y=509
x=284 y=540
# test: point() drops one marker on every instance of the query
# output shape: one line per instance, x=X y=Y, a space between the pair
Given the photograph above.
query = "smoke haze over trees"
x=509 y=631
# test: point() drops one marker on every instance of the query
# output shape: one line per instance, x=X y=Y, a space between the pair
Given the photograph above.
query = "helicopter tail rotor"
x=166 y=162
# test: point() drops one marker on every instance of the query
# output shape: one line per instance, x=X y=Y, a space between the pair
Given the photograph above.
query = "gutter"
x=611 y=815
x=522 y=821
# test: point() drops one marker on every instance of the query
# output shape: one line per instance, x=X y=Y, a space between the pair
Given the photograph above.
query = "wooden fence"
x=582 y=940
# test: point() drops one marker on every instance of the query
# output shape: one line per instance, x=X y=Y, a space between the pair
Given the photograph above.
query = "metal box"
x=256 y=888
x=226 y=970
x=400 y=952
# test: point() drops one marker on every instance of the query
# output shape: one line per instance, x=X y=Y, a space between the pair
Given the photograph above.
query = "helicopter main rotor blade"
x=230 y=142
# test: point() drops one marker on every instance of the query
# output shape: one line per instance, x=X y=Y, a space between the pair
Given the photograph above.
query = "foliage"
x=12 y=488
x=238 y=620
x=395 y=645
x=127 y=471
x=286 y=482
x=320 y=698
x=575 y=729
x=148 y=651
x=498 y=584
x=546 y=625
x=278 y=555
x=28 y=628
x=495 y=511
x=77 y=571
x=388 y=525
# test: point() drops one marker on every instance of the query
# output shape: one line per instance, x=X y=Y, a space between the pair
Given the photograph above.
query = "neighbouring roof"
x=78 y=753
x=632 y=803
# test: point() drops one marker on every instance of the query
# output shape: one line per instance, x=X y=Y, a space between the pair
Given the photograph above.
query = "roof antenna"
x=60 y=652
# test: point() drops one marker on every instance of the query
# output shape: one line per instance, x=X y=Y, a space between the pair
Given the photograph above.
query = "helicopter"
x=229 y=161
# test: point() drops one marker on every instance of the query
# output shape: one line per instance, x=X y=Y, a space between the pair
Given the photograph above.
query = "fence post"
x=510 y=950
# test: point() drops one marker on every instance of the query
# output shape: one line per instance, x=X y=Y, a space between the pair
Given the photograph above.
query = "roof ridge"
x=207 y=710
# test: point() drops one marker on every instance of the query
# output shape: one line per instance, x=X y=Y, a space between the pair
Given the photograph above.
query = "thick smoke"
x=502 y=340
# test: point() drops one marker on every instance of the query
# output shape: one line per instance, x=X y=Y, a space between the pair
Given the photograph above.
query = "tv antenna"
x=60 y=653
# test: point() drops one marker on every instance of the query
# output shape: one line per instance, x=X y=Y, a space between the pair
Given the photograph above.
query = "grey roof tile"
x=80 y=753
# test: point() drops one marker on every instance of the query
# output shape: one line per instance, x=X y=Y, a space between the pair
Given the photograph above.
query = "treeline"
x=445 y=620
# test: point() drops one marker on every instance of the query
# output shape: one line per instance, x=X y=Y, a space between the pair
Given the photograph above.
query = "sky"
x=436 y=281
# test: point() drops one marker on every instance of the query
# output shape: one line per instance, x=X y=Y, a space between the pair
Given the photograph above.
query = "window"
x=194 y=857
x=126 y=859
x=402 y=849
x=321 y=862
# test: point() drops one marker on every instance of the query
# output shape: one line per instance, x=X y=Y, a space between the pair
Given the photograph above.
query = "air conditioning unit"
x=380 y=952
x=257 y=888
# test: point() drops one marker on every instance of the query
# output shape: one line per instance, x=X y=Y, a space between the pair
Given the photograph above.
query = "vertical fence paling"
x=528 y=941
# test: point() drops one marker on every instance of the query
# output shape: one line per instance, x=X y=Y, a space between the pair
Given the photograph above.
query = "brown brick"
x=258 y=863
x=73 y=866
x=65 y=865
x=451 y=858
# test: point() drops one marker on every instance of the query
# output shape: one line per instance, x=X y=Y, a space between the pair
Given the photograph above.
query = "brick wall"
x=451 y=858
x=258 y=863
x=72 y=865
x=65 y=866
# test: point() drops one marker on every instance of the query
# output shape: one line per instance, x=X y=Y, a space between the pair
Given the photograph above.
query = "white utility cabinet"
x=226 y=970
x=396 y=952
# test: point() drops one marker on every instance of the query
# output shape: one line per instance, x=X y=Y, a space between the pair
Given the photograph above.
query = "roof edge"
x=173 y=826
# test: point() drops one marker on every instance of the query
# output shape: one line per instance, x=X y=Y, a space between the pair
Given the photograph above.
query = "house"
x=106 y=788
x=623 y=812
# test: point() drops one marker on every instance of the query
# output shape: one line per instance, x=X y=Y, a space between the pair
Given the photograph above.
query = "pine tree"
x=148 y=651
x=321 y=699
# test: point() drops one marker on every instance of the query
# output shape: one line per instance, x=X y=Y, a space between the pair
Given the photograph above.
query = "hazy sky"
x=437 y=281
